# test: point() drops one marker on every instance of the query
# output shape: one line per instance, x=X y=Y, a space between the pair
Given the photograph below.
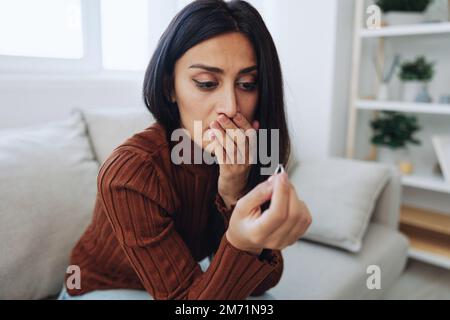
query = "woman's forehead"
x=229 y=52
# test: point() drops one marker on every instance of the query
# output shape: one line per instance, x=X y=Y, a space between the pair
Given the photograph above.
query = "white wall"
x=314 y=42
x=27 y=100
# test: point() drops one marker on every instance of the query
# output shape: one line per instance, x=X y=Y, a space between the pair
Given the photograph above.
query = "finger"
x=237 y=136
x=289 y=235
x=210 y=147
x=277 y=212
x=283 y=235
x=215 y=148
x=298 y=231
x=249 y=131
x=247 y=158
x=257 y=196
x=252 y=145
x=294 y=234
x=241 y=121
x=279 y=169
x=280 y=234
x=280 y=198
x=225 y=141
x=220 y=153
x=235 y=132
x=304 y=219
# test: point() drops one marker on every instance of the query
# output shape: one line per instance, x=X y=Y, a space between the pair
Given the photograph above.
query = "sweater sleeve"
x=269 y=255
x=139 y=209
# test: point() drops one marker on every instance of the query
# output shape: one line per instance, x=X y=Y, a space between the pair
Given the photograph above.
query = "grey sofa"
x=48 y=204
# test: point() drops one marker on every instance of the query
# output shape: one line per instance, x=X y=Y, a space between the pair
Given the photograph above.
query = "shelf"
x=430 y=258
x=427 y=243
x=424 y=219
x=431 y=182
x=413 y=107
x=429 y=235
x=407 y=30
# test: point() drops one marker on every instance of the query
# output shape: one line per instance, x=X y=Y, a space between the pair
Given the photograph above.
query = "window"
x=44 y=28
x=125 y=34
x=130 y=30
x=82 y=35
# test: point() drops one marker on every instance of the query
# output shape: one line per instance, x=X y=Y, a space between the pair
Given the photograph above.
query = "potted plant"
x=415 y=76
x=398 y=12
x=393 y=132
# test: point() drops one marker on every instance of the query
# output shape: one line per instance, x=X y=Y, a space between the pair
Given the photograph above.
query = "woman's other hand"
x=281 y=225
x=231 y=143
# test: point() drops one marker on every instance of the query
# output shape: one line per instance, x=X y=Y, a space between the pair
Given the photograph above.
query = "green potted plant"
x=393 y=132
x=415 y=76
x=399 y=12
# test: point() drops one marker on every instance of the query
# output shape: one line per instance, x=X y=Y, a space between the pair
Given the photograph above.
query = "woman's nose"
x=228 y=104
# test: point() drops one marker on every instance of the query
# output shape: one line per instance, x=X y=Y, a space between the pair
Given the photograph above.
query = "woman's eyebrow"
x=218 y=70
x=248 y=69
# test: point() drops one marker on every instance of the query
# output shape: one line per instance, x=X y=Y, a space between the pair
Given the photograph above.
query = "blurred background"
x=361 y=82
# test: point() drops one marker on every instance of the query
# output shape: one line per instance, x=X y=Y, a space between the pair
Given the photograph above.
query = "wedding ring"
x=279 y=169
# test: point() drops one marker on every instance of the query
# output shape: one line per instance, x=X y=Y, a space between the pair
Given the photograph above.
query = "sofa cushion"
x=48 y=185
x=314 y=271
x=341 y=196
x=109 y=127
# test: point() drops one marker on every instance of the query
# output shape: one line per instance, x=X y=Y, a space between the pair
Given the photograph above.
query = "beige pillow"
x=110 y=127
x=341 y=195
x=48 y=180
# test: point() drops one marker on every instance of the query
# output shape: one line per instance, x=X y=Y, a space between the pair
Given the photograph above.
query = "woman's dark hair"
x=202 y=20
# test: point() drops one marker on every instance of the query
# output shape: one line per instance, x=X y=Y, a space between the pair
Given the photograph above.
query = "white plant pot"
x=411 y=89
x=383 y=93
x=393 y=18
x=399 y=158
x=388 y=155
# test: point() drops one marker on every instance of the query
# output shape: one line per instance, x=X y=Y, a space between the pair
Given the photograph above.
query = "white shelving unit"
x=428 y=257
x=407 y=30
x=432 y=182
x=430 y=108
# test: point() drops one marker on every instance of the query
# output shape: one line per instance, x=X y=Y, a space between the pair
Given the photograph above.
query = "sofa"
x=48 y=186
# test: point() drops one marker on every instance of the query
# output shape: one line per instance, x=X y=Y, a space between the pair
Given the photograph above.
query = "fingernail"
x=283 y=177
x=238 y=116
x=222 y=119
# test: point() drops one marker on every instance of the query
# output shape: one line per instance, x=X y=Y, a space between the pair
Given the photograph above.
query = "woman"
x=154 y=220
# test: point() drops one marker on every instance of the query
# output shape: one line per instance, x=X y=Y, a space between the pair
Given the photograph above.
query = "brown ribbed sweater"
x=154 y=220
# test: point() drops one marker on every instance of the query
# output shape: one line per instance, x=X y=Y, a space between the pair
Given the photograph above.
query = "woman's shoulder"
x=148 y=147
x=148 y=142
x=141 y=164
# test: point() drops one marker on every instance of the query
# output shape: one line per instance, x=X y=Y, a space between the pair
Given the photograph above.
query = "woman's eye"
x=207 y=85
x=247 y=86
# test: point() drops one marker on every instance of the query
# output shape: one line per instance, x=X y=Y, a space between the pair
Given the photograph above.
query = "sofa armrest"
x=387 y=208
